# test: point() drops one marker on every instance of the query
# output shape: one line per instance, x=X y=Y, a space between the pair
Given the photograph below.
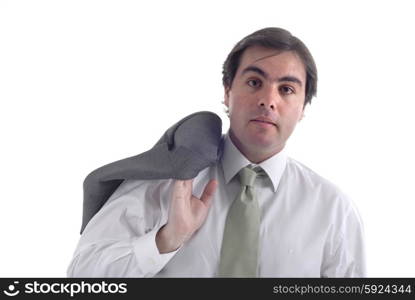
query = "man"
x=304 y=227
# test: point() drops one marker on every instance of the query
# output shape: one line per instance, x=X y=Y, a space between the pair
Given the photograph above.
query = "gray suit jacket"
x=187 y=147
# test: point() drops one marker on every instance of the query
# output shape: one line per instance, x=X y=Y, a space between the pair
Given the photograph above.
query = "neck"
x=255 y=155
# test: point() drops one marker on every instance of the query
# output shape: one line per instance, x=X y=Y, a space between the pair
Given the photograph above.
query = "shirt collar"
x=233 y=161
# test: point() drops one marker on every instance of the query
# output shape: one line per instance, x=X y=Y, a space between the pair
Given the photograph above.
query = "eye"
x=254 y=83
x=287 y=90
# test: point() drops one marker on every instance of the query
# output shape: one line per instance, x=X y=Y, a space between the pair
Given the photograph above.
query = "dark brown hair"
x=278 y=39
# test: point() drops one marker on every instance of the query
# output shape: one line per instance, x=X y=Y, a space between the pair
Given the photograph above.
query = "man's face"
x=265 y=101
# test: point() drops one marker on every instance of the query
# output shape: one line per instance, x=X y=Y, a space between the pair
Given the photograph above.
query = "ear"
x=302 y=115
x=226 y=96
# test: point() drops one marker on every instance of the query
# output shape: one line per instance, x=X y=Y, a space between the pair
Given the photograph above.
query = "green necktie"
x=239 y=253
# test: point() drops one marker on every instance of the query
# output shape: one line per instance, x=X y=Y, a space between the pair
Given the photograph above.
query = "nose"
x=268 y=98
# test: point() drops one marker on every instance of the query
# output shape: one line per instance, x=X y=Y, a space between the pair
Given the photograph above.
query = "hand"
x=186 y=214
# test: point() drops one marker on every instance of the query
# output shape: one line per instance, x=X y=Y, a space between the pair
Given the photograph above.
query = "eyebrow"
x=266 y=76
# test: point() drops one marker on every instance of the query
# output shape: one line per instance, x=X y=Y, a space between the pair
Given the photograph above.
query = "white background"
x=84 y=83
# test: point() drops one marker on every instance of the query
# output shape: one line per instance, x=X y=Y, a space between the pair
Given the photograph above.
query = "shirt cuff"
x=148 y=256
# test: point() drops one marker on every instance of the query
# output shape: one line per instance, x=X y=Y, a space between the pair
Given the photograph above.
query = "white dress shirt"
x=309 y=228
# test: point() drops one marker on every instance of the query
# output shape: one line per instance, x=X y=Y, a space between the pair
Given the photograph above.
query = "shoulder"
x=296 y=170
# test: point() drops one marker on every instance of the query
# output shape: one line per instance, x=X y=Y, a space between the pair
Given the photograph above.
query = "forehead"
x=274 y=62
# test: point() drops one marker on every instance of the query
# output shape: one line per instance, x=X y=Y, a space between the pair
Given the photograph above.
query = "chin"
x=264 y=142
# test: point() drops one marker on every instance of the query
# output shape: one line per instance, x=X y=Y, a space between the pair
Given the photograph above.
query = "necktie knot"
x=248 y=175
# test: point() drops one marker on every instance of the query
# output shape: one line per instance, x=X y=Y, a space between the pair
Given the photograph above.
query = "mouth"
x=264 y=121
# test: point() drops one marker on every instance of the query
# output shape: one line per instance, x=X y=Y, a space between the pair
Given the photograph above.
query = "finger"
x=183 y=188
x=208 y=192
x=183 y=182
x=188 y=186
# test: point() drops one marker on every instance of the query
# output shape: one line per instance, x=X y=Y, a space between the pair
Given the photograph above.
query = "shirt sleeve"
x=345 y=253
x=119 y=241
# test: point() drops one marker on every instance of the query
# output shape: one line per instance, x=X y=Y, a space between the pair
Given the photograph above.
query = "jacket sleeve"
x=119 y=241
